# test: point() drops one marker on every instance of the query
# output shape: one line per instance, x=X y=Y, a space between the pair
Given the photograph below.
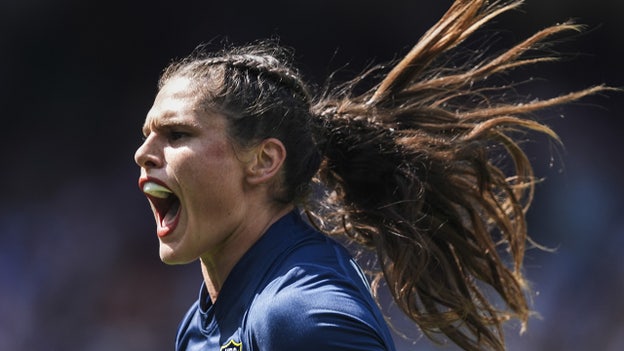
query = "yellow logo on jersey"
x=232 y=346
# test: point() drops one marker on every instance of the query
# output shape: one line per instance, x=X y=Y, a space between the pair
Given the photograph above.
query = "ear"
x=266 y=162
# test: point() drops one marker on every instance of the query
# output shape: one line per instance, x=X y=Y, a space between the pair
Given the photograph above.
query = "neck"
x=217 y=265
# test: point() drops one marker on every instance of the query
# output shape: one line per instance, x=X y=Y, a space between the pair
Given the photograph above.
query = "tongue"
x=171 y=213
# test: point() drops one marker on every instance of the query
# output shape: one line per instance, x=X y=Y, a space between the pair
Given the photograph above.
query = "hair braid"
x=261 y=60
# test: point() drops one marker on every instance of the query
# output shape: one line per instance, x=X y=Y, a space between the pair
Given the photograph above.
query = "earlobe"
x=267 y=161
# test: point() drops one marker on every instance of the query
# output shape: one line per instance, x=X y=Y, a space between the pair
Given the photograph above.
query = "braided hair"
x=409 y=169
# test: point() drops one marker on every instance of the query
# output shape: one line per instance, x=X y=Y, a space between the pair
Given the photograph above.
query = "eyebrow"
x=167 y=120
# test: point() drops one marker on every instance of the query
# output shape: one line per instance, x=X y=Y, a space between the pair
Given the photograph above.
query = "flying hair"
x=425 y=169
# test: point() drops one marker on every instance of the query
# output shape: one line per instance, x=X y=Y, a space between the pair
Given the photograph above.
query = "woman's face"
x=191 y=175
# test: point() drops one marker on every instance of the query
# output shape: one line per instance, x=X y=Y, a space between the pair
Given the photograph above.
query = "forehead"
x=176 y=94
x=177 y=102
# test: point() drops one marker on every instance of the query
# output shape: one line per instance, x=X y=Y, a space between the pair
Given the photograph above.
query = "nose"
x=146 y=156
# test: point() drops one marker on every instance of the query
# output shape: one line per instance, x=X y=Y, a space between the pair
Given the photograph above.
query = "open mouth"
x=166 y=206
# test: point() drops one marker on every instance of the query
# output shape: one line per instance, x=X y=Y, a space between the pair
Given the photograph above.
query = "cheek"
x=200 y=159
x=215 y=175
x=216 y=164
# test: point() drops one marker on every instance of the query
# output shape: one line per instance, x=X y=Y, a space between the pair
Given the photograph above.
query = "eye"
x=177 y=135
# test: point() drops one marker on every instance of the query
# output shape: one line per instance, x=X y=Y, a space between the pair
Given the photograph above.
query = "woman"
x=237 y=146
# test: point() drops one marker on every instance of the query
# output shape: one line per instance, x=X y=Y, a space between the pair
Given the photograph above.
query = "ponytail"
x=413 y=167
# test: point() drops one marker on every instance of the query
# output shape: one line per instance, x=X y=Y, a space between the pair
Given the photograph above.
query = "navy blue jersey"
x=295 y=289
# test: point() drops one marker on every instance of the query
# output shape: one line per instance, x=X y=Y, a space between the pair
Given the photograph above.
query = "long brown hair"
x=412 y=169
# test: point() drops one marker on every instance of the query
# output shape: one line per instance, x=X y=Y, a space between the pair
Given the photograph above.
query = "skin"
x=224 y=191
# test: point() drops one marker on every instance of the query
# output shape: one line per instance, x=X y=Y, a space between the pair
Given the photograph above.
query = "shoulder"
x=312 y=307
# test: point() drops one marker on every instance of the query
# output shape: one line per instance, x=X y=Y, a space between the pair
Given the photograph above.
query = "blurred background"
x=79 y=266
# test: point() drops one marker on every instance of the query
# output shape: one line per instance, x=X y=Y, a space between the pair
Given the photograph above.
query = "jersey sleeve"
x=310 y=310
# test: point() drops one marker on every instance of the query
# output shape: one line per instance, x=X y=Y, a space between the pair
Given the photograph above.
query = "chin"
x=169 y=257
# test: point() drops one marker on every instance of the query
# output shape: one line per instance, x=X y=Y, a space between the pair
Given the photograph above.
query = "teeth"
x=156 y=190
